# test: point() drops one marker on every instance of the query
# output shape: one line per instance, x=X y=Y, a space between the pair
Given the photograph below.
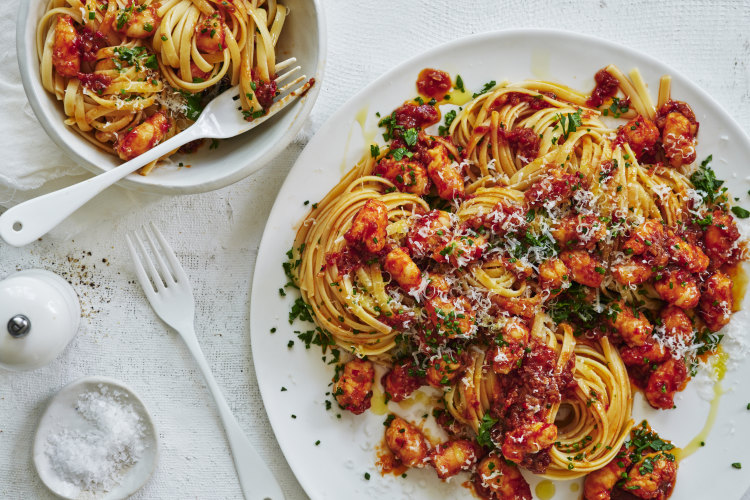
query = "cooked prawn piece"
x=526 y=307
x=452 y=457
x=528 y=439
x=648 y=240
x=514 y=339
x=145 y=136
x=402 y=269
x=505 y=216
x=556 y=186
x=401 y=381
x=634 y=330
x=461 y=251
x=686 y=255
x=445 y=173
x=584 y=268
x=664 y=382
x=209 y=34
x=496 y=479
x=353 y=389
x=720 y=237
x=678 y=287
x=554 y=275
x=429 y=233
x=598 y=485
x=442 y=370
x=677 y=324
x=408 y=176
x=716 y=302
x=678 y=139
x=655 y=481
x=645 y=354
x=641 y=135
x=450 y=316
x=406 y=442
x=65 y=55
x=369 y=226
x=195 y=72
x=632 y=272
x=579 y=231
x=137 y=21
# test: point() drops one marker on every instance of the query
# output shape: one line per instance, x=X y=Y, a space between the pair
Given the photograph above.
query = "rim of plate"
x=136 y=182
x=295 y=461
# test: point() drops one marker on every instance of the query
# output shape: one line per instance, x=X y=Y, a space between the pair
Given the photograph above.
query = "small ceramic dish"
x=304 y=37
x=61 y=414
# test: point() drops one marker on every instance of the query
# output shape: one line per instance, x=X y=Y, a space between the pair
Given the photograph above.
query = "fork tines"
x=156 y=267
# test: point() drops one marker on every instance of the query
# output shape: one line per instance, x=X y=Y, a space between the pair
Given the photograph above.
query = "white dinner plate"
x=336 y=467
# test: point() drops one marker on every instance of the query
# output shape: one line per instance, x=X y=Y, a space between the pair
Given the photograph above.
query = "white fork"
x=168 y=290
x=220 y=119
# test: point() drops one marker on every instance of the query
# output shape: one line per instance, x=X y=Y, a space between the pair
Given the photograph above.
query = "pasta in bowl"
x=124 y=76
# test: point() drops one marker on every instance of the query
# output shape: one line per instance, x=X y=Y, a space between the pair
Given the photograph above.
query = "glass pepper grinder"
x=39 y=316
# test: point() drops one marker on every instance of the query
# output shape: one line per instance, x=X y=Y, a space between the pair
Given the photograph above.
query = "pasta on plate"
x=528 y=263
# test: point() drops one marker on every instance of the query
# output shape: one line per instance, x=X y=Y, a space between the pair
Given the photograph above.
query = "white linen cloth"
x=216 y=235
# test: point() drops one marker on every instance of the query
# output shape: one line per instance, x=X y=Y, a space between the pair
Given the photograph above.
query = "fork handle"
x=32 y=219
x=256 y=479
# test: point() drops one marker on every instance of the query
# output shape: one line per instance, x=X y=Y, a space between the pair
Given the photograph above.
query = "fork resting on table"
x=168 y=290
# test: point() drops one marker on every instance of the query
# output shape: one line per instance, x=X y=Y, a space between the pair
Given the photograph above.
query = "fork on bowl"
x=220 y=119
x=167 y=288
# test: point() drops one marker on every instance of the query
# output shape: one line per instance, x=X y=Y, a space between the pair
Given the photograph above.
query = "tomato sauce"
x=89 y=42
x=347 y=260
x=411 y=115
x=433 y=83
x=95 y=82
x=265 y=92
x=606 y=86
x=525 y=141
x=535 y=102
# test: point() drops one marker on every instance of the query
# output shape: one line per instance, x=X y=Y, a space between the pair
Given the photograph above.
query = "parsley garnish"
x=399 y=153
x=483 y=434
x=449 y=117
x=487 y=87
x=410 y=136
x=704 y=179
x=569 y=122
x=193 y=106
x=740 y=212
x=122 y=18
x=459 y=84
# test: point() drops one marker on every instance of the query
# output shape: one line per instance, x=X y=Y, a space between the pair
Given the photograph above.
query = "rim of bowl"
x=27 y=58
x=112 y=382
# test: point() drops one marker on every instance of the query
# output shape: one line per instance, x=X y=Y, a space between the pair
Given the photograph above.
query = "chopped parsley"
x=740 y=212
x=449 y=117
x=410 y=136
x=704 y=179
x=487 y=87
x=483 y=434
x=569 y=122
x=459 y=84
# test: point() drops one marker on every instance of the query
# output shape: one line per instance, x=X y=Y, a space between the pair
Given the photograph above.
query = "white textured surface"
x=216 y=234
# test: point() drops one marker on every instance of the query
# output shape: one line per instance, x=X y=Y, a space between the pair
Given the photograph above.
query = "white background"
x=216 y=235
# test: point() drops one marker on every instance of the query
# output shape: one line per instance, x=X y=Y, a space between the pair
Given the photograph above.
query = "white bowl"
x=303 y=37
x=61 y=413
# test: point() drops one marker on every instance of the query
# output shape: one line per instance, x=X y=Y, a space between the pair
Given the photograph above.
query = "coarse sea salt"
x=93 y=457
